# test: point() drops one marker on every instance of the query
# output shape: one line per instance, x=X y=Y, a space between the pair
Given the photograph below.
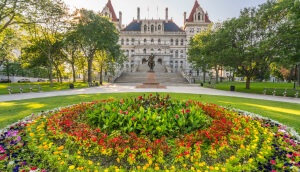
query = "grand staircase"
x=160 y=73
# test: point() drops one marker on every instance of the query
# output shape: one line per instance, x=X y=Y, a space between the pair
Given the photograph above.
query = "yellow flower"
x=66 y=156
x=62 y=162
x=60 y=148
x=212 y=168
x=217 y=168
x=167 y=171
x=59 y=158
x=223 y=169
x=88 y=170
x=184 y=165
x=242 y=146
x=118 y=159
x=201 y=164
x=78 y=157
x=98 y=164
x=71 y=167
x=78 y=152
x=192 y=168
x=250 y=160
x=156 y=168
x=90 y=162
x=144 y=168
x=138 y=167
x=81 y=168
x=29 y=129
x=31 y=134
x=40 y=147
x=150 y=161
x=96 y=170
x=147 y=165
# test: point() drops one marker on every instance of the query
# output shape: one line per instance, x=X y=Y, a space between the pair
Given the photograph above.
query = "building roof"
x=168 y=27
x=191 y=17
x=111 y=9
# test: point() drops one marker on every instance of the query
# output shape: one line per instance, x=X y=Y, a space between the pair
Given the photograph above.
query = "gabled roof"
x=168 y=27
x=111 y=9
x=191 y=17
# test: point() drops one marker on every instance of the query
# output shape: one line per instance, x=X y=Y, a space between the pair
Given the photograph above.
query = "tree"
x=51 y=15
x=95 y=32
x=10 y=40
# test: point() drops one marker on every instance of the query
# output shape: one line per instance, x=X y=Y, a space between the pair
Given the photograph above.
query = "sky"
x=218 y=10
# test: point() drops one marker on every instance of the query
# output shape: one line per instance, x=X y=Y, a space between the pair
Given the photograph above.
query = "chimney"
x=184 y=18
x=167 y=15
x=138 y=14
x=120 y=19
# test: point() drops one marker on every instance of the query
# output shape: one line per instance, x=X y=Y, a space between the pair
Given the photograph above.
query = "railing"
x=118 y=74
x=187 y=77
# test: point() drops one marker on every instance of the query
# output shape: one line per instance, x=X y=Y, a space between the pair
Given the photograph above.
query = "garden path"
x=123 y=88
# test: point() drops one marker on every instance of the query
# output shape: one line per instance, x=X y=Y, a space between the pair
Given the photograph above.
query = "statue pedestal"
x=151 y=82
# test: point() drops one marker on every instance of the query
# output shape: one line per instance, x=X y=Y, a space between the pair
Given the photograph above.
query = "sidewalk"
x=123 y=88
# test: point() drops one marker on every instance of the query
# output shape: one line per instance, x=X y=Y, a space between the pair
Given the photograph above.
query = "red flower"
x=176 y=116
x=133 y=118
x=33 y=168
x=273 y=162
x=150 y=94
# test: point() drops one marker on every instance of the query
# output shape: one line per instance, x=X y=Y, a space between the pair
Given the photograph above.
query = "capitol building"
x=162 y=37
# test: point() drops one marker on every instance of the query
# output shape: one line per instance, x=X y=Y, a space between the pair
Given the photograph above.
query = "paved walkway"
x=122 y=88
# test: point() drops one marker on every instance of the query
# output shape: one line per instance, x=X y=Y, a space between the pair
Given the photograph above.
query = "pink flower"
x=187 y=111
x=288 y=155
x=274 y=171
x=273 y=162
x=176 y=116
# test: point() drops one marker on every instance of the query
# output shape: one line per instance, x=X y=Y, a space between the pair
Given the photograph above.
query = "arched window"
x=176 y=53
x=127 y=41
x=132 y=53
x=171 y=41
x=181 y=64
x=171 y=64
x=176 y=64
x=105 y=14
x=181 y=42
x=181 y=51
x=199 y=16
x=145 y=51
x=132 y=41
x=145 y=28
x=145 y=41
x=159 y=51
x=127 y=53
x=159 y=27
x=176 y=41
x=122 y=42
x=152 y=29
x=152 y=51
x=159 y=41
x=152 y=41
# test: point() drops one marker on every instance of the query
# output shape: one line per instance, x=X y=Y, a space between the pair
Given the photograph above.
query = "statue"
x=151 y=62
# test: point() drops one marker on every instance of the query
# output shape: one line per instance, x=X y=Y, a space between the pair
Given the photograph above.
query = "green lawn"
x=45 y=86
x=286 y=113
x=255 y=87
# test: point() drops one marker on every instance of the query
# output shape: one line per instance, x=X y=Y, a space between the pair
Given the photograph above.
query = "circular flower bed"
x=147 y=133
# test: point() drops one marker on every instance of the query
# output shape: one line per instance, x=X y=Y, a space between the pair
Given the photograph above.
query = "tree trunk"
x=221 y=78
x=298 y=74
x=291 y=75
x=83 y=75
x=61 y=80
x=101 y=77
x=204 y=76
x=248 y=83
x=50 y=75
x=233 y=75
x=90 y=63
x=73 y=69
x=217 y=75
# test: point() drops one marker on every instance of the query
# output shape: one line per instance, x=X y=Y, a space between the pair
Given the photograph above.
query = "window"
x=152 y=29
x=105 y=14
x=191 y=30
x=176 y=64
x=127 y=53
x=181 y=64
x=171 y=64
x=171 y=41
x=176 y=41
x=145 y=41
x=127 y=41
x=132 y=41
x=159 y=41
x=176 y=53
x=198 y=30
x=199 y=16
x=122 y=42
x=172 y=55
x=145 y=28
x=152 y=41
x=152 y=51
x=159 y=51
x=159 y=27
x=181 y=42
x=132 y=53
x=145 y=51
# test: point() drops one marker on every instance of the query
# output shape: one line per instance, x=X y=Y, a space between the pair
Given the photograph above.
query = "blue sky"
x=217 y=9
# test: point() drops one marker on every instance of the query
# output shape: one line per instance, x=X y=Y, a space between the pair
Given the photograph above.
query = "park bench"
x=283 y=92
x=212 y=85
x=22 y=88
x=91 y=84
x=12 y=89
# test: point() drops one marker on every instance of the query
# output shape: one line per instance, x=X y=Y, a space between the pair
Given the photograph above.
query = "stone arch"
x=159 y=61
x=144 y=61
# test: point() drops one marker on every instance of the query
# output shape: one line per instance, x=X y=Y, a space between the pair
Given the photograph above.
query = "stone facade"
x=162 y=37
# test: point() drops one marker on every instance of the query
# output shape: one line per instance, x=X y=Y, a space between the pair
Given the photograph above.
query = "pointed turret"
x=112 y=11
x=192 y=14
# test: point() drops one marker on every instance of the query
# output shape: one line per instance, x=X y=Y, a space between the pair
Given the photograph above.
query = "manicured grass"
x=45 y=86
x=255 y=87
x=286 y=113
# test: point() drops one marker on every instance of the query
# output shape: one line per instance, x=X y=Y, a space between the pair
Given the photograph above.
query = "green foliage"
x=153 y=116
